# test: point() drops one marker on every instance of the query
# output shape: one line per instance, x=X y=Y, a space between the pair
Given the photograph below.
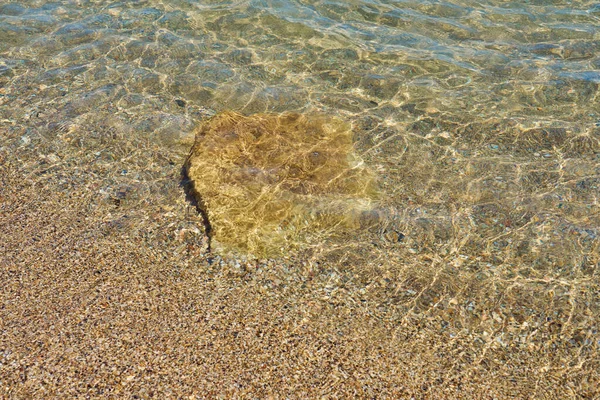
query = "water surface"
x=481 y=120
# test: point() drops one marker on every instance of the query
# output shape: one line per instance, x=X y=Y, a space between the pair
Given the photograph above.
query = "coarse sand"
x=114 y=296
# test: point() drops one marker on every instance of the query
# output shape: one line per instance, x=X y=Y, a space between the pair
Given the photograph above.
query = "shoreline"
x=108 y=301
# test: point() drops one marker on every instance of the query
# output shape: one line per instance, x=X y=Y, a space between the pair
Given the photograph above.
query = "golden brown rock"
x=271 y=183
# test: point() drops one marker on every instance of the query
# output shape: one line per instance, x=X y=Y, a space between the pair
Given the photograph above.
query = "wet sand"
x=479 y=279
x=115 y=297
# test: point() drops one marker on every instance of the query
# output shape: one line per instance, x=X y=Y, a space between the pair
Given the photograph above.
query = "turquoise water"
x=481 y=120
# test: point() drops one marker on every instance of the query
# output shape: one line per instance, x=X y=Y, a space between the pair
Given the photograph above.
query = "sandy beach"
x=474 y=136
x=108 y=297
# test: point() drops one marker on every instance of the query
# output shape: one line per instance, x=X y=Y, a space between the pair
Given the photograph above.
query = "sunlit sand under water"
x=467 y=266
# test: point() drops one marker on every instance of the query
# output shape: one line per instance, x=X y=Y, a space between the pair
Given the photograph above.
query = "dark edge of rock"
x=195 y=199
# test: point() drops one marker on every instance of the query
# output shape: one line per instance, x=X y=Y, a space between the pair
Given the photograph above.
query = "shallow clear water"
x=481 y=120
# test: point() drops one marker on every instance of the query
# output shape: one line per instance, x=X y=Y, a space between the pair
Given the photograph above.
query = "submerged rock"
x=272 y=183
